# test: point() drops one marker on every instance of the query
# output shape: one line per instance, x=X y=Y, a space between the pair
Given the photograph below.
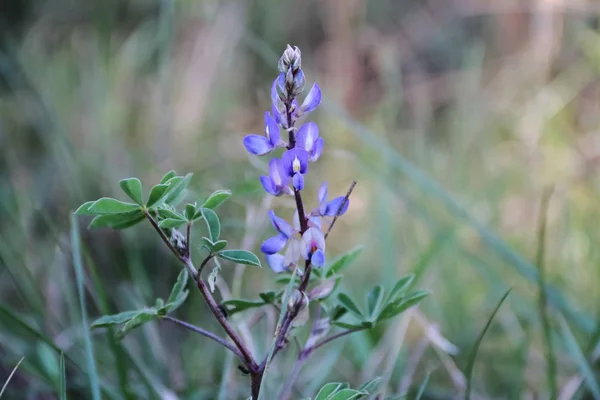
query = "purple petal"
x=275 y=261
x=258 y=145
x=317 y=150
x=268 y=185
x=312 y=240
x=307 y=135
x=312 y=100
x=277 y=174
x=281 y=225
x=322 y=195
x=292 y=253
x=314 y=221
x=334 y=206
x=271 y=129
x=318 y=258
x=274 y=244
x=299 y=81
x=295 y=160
x=278 y=116
x=280 y=87
x=298 y=181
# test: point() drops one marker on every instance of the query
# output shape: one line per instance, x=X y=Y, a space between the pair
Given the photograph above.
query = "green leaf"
x=345 y=394
x=165 y=213
x=240 y=257
x=587 y=372
x=342 y=262
x=168 y=176
x=108 y=206
x=212 y=224
x=327 y=390
x=175 y=304
x=115 y=319
x=157 y=195
x=132 y=188
x=349 y=304
x=214 y=247
x=371 y=387
x=268 y=297
x=401 y=304
x=338 y=312
x=141 y=318
x=171 y=223
x=374 y=301
x=400 y=287
x=117 y=221
x=176 y=190
x=423 y=386
x=179 y=285
x=216 y=199
x=234 y=306
x=190 y=211
x=347 y=325
x=84 y=208
x=473 y=354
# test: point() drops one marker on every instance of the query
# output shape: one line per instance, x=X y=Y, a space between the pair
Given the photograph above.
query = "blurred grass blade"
x=63 y=378
x=577 y=355
x=10 y=376
x=542 y=300
x=423 y=386
x=473 y=355
x=89 y=351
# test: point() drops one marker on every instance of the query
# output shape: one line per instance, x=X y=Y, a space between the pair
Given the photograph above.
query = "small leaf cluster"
x=129 y=320
x=342 y=391
x=379 y=307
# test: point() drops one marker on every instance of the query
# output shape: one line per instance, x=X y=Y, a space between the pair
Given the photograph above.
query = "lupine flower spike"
x=305 y=240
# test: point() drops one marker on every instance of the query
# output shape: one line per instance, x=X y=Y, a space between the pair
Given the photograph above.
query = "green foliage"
x=240 y=257
x=129 y=320
x=216 y=199
x=212 y=223
x=132 y=188
x=235 y=306
x=342 y=391
x=377 y=310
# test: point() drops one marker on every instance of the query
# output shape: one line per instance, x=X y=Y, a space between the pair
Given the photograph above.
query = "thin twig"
x=188 y=239
x=206 y=333
x=337 y=214
x=332 y=338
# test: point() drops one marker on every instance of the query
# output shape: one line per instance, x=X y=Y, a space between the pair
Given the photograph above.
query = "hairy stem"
x=214 y=308
x=205 y=333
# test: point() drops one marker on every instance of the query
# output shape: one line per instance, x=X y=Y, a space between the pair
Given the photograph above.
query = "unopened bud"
x=298 y=301
x=178 y=241
x=291 y=59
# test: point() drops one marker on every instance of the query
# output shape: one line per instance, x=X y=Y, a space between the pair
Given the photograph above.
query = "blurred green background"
x=454 y=116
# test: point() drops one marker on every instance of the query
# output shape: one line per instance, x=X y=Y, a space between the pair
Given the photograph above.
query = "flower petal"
x=295 y=160
x=277 y=174
x=317 y=150
x=269 y=186
x=298 y=181
x=322 y=195
x=271 y=129
x=307 y=135
x=292 y=254
x=312 y=100
x=312 y=240
x=333 y=207
x=281 y=225
x=274 y=244
x=258 y=145
x=318 y=258
x=275 y=261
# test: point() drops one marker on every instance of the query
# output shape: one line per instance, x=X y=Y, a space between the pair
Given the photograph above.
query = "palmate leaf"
x=401 y=304
x=132 y=188
x=374 y=301
x=106 y=206
x=118 y=221
x=350 y=305
x=139 y=319
x=157 y=195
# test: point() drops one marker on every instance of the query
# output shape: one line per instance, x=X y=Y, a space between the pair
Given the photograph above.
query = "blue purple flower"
x=277 y=182
x=308 y=138
x=295 y=165
x=260 y=145
x=337 y=206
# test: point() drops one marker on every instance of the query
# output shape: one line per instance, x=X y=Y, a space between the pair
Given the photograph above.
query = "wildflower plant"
x=297 y=249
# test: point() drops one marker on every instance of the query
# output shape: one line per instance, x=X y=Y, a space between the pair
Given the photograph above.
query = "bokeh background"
x=454 y=116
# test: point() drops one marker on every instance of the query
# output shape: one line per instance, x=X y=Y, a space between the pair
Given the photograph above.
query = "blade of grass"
x=423 y=386
x=63 y=378
x=473 y=355
x=89 y=351
x=542 y=300
x=584 y=367
x=10 y=376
